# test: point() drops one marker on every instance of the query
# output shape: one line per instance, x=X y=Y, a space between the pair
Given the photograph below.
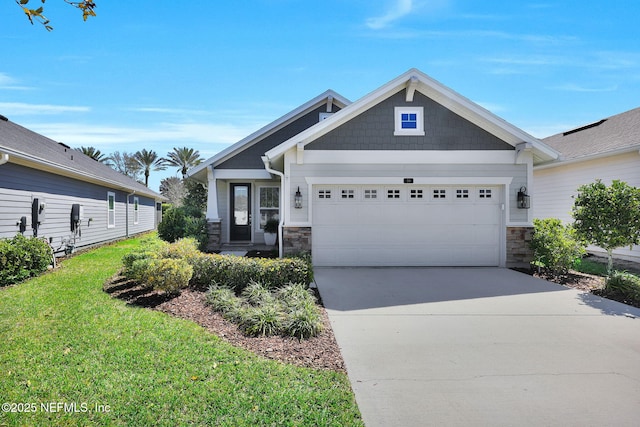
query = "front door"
x=240 y=212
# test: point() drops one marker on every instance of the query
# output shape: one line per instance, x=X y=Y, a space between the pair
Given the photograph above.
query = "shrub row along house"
x=52 y=191
x=411 y=174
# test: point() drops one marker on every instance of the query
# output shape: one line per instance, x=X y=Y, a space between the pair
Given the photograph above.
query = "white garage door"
x=406 y=225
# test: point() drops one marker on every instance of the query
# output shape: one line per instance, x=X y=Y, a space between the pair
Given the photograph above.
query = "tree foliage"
x=173 y=189
x=95 y=154
x=149 y=160
x=184 y=158
x=608 y=217
x=126 y=164
x=87 y=7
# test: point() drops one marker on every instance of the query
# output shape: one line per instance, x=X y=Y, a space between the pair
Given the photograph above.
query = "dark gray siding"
x=250 y=158
x=373 y=130
x=19 y=185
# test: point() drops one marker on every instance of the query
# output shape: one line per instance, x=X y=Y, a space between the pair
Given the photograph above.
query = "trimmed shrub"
x=168 y=274
x=185 y=248
x=237 y=272
x=623 y=287
x=555 y=246
x=22 y=257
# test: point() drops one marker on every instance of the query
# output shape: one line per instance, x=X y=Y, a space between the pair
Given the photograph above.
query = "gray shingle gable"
x=374 y=128
x=613 y=134
x=37 y=148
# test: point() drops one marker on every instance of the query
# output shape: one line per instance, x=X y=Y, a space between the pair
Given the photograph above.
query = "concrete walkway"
x=482 y=347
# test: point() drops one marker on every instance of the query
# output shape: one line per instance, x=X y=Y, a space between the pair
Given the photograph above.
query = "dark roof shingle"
x=31 y=146
x=608 y=135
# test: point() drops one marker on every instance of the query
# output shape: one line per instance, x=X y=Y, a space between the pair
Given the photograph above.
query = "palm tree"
x=94 y=153
x=184 y=158
x=149 y=160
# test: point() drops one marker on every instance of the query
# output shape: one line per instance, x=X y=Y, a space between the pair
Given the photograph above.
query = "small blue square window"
x=409 y=121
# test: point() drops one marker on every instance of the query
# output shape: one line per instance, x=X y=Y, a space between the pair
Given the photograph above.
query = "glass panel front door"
x=240 y=212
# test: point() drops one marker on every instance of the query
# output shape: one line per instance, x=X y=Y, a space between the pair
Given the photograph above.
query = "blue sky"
x=202 y=74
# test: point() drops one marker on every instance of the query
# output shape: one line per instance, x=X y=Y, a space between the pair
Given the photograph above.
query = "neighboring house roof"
x=613 y=135
x=199 y=172
x=413 y=80
x=31 y=149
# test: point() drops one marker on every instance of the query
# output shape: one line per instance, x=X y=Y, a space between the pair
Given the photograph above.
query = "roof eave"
x=562 y=162
x=268 y=129
x=27 y=160
x=440 y=94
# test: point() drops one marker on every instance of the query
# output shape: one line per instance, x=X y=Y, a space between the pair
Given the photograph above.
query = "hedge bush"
x=22 y=257
x=168 y=274
x=555 y=246
x=181 y=222
x=238 y=272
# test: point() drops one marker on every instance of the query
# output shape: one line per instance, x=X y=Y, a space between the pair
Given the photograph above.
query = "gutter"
x=267 y=166
x=4 y=158
x=127 y=213
x=562 y=162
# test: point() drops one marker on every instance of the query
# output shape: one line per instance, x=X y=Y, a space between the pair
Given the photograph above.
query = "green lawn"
x=64 y=342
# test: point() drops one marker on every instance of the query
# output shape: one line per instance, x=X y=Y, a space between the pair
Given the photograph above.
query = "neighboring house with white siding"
x=607 y=149
x=412 y=174
x=52 y=191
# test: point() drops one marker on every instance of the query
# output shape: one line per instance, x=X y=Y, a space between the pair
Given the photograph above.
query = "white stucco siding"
x=556 y=186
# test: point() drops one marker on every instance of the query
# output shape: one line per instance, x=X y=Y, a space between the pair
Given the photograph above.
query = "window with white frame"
x=370 y=193
x=348 y=194
x=324 y=194
x=111 y=209
x=136 y=210
x=415 y=194
x=393 y=194
x=484 y=193
x=439 y=194
x=269 y=204
x=462 y=193
x=409 y=121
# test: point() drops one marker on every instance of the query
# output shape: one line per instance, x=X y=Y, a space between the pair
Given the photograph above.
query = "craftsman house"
x=412 y=174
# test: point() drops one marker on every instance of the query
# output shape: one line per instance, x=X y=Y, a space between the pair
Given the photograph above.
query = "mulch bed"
x=321 y=352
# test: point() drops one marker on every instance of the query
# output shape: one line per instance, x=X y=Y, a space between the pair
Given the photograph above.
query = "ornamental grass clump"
x=264 y=320
x=289 y=311
x=624 y=287
x=256 y=294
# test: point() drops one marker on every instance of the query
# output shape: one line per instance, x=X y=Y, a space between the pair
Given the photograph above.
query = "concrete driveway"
x=482 y=347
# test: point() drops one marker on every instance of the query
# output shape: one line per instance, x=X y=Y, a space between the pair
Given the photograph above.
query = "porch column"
x=212 y=196
x=214 y=222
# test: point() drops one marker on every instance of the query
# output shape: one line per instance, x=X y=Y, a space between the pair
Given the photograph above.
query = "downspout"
x=267 y=166
x=4 y=158
x=127 y=213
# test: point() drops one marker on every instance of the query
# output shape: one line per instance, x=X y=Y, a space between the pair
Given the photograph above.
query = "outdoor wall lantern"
x=524 y=201
x=297 y=198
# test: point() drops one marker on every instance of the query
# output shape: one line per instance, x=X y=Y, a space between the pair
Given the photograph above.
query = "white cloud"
x=136 y=137
x=9 y=83
x=399 y=9
x=572 y=87
x=11 y=109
